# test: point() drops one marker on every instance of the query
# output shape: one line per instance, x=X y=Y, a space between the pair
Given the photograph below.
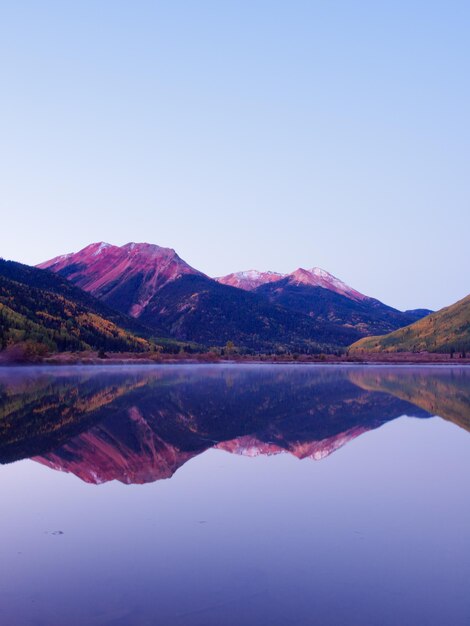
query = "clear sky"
x=244 y=134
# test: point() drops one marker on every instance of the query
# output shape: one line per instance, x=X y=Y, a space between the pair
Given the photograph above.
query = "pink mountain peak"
x=316 y=450
x=315 y=277
x=102 y=268
x=318 y=277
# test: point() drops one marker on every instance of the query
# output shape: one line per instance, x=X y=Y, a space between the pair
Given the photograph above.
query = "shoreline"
x=67 y=359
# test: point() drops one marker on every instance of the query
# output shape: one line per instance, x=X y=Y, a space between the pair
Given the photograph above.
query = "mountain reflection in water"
x=141 y=424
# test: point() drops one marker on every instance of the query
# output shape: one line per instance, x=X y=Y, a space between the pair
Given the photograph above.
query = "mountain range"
x=305 y=311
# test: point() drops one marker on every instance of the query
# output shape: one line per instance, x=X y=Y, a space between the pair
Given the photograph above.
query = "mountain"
x=443 y=331
x=327 y=299
x=306 y=311
x=363 y=316
x=315 y=277
x=125 y=277
x=41 y=307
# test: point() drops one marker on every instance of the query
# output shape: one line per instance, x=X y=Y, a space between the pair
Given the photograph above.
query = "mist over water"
x=204 y=495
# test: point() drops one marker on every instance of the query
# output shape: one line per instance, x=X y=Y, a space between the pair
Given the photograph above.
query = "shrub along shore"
x=25 y=355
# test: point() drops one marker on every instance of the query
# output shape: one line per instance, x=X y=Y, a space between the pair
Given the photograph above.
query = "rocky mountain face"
x=125 y=277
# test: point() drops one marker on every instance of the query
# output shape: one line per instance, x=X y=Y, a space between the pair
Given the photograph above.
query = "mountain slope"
x=322 y=296
x=442 y=331
x=363 y=316
x=39 y=306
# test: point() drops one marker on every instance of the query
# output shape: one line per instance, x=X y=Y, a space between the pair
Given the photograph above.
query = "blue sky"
x=259 y=134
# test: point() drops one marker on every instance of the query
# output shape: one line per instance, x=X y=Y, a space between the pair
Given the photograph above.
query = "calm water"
x=228 y=495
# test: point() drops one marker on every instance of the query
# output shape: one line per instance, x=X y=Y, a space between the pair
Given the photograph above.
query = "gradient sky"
x=248 y=134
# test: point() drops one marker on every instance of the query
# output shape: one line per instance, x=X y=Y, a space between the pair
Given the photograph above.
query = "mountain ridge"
x=314 y=277
x=106 y=271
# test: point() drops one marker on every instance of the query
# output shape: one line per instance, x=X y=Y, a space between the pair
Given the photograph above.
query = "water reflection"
x=140 y=425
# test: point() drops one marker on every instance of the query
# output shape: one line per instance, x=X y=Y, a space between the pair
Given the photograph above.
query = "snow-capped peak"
x=318 y=277
x=101 y=246
x=256 y=274
x=249 y=279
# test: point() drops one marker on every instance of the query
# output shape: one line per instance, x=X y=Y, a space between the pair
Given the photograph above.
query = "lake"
x=220 y=495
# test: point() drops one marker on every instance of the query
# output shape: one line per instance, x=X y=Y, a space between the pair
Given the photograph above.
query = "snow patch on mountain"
x=318 y=277
x=249 y=280
x=102 y=246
